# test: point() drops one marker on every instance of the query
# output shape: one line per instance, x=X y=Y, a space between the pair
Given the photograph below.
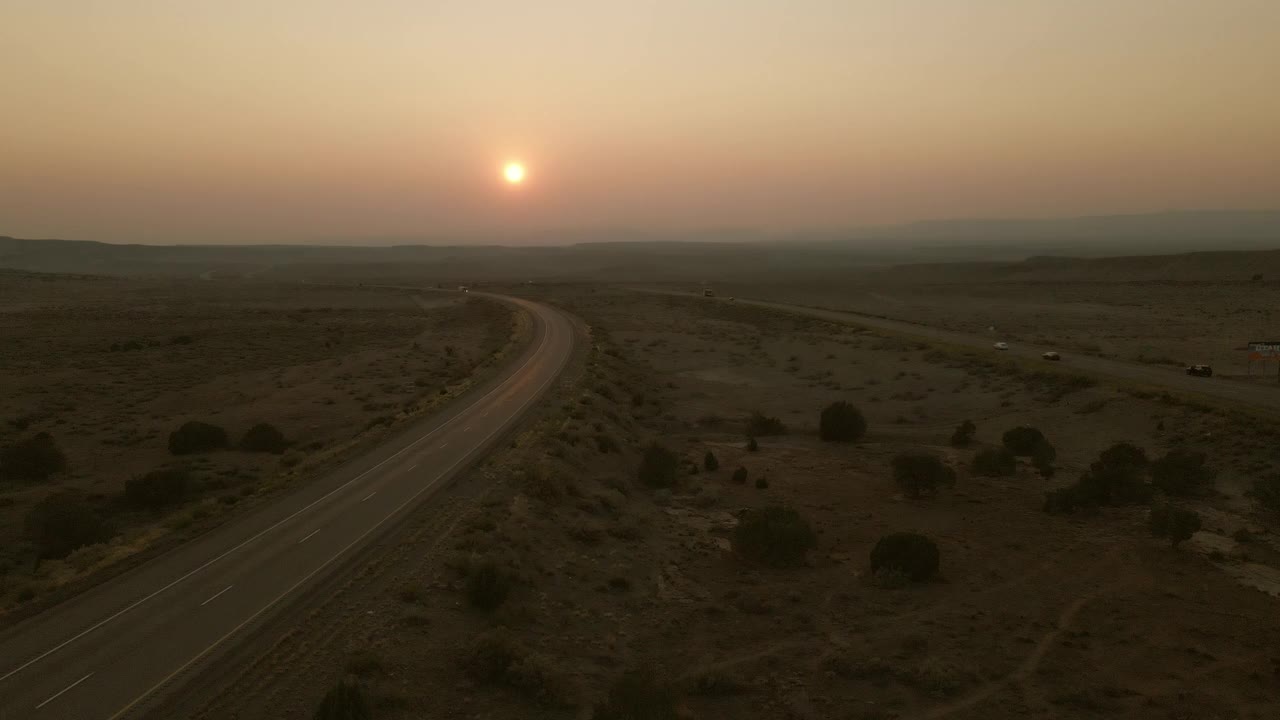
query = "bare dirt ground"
x=1157 y=322
x=1033 y=615
x=110 y=367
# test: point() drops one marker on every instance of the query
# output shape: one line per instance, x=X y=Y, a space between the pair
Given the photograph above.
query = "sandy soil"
x=111 y=367
x=1040 y=615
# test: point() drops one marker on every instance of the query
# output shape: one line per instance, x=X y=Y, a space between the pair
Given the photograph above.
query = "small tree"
x=740 y=476
x=1182 y=472
x=1176 y=523
x=709 y=462
x=487 y=586
x=841 y=422
x=638 y=695
x=264 y=437
x=963 y=435
x=658 y=466
x=919 y=474
x=994 y=462
x=1023 y=440
x=157 y=489
x=910 y=553
x=774 y=535
x=33 y=459
x=197 y=437
x=1117 y=477
x=63 y=522
x=344 y=701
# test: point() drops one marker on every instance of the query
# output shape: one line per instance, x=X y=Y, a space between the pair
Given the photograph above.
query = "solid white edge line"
x=63 y=690
x=308 y=537
x=366 y=497
x=296 y=513
x=216 y=596
x=120 y=713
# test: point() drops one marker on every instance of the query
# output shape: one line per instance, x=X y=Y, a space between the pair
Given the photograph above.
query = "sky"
x=177 y=121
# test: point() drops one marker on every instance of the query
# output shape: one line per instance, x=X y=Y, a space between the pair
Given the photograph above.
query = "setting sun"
x=514 y=173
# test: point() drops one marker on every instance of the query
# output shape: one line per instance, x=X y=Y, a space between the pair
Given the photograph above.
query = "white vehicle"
x=1001 y=346
x=1051 y=355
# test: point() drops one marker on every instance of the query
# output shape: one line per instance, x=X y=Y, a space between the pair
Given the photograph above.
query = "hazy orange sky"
x=287 y=120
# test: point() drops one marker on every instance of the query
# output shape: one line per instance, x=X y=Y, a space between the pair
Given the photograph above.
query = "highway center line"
x=515 y=415
x=313 y=532
x=295 y=514
x=63 y=690
x=466 y=429
x=215 y=597
x=366 y=497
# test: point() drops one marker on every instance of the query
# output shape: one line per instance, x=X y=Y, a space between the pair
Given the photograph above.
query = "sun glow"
x=513 y=173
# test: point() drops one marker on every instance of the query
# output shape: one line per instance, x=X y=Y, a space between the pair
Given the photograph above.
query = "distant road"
x=118 y=650
x=1255 y=395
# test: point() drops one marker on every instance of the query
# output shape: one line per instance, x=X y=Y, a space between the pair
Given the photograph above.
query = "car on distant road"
x=1051 y=355
x=1200 y=370
x=1001 y=346
x=708 y=292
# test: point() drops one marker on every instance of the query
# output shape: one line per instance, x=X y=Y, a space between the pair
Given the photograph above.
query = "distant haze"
x=293 y=120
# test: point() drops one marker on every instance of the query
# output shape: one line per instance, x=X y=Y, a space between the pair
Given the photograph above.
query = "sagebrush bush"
x=994 y=462
x=963 y=434
x=264 y=437
x=774 y=535
x=1042 y=457
x=157 y=488
x=638 y=695
x=709 y=462
x=752 y=445
x=344 y=701
x=1117 y=477
x=919 y=473
x=197 y=437
x=740 y=475
x=32 y=460
x=658 y=466
x=841 y=422
x=1182 y=472
x=761 y=425
x=1176 y=523
x=63 y=522
x=487 y=585
x=495 y=659
x=911 y=553
x=1022 y=440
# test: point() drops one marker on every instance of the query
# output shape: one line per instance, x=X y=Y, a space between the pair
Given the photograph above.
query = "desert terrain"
x=558 y=580
x=109 y=368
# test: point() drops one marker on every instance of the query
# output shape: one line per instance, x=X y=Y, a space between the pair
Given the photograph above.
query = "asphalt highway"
x=1264 y=396
x=124 y=646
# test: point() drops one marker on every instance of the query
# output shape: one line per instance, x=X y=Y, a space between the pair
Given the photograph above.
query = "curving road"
x=1254 y=395
x=124 y=646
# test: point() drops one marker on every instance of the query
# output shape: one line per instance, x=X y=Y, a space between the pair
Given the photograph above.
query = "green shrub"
x=773 y=535
x=264 y=437
x=919 y=473
x=994 y=462
x=487 y=586
x=762 y=425
x=1023 y=440
x=740 y=476
x=963 y=435
x=197 y=437
x=762 y=483
x=658 y=466
x=841 y=422
x=33 y=459
x=915 y=555
x=157 y=488
x=63 y=522
x=710 y=462
x=1117 y=477
x=1175 y=523
x=638 y=695
x=344 y=701
x=494 y=659
x=1182 y=472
